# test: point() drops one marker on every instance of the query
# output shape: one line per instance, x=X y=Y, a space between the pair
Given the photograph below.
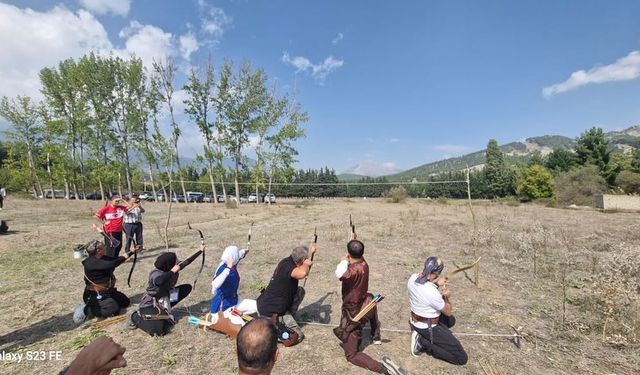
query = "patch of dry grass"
x=523 y=250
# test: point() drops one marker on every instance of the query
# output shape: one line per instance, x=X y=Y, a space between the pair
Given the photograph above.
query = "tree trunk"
x=101 y=189
x=82 y=178
x=66 y=187
x=153 y=185
x=213 y=185
x=120 y=184
x=236 y=183
x=50 y=174
x=269 y=189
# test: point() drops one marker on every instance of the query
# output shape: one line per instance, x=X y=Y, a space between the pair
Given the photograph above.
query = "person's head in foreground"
x=257 y=346
x=433 y=267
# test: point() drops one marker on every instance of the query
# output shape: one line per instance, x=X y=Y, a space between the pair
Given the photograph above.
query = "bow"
x=448 y=275
x=201 y=264
x=352 y=225
x=315 y=241
x=135 y=258
x=249 y=236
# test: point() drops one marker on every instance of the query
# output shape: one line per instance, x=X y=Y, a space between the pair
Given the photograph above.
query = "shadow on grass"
x=43 y=330
x=316 y=312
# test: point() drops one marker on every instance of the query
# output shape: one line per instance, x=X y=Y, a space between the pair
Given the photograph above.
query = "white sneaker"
x=78 y=313
x=415 y=345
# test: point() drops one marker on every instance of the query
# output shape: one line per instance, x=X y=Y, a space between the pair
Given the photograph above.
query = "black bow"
x=203 y=255
x=135 y=258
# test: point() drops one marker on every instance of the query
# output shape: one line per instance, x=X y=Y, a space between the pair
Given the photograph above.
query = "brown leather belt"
x=98 y=288
x=431 y=321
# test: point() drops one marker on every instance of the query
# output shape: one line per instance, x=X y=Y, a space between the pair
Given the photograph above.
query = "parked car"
x=244 y=199
x=146 y=196
x=94 y=196
x=179 y=198
x=208 y=198
x=269 y=198
x=56 y=193
x=221 y=198
x=195 y=196
x=253 y=198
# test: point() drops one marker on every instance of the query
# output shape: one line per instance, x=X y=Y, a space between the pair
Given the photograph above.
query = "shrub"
x=396 y=194
x=580 y=186
x=629 y=182
x=535 y=182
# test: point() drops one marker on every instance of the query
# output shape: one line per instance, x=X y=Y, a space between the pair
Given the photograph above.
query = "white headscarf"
x=231 y=253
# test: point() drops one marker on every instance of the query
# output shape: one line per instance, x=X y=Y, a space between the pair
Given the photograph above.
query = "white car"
x=269 y=198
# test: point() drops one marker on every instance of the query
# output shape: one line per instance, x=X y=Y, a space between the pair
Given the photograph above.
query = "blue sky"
x=387 y=85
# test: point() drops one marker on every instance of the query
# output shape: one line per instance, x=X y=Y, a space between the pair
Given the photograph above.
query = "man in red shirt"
x=111 y=216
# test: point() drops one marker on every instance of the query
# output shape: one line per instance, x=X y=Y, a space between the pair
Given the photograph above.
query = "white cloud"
x=147 y=42
x=624 y=69
x=118 y=7
x=393 y=140
x=452 y=149
x=337 y=39
x=188 y=45
x=318 y=71
x=214 y=20
x=33 y=40
x=373 y=168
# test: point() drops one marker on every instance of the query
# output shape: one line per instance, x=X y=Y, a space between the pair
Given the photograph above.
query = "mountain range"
x=515 y=152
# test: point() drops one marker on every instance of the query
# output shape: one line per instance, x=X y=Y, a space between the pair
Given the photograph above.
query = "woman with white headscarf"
x=226 y=281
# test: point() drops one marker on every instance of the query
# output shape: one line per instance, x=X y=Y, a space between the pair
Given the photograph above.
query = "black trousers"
x=131 y=230
x=440 y=343
x=105 y=304
x=158 y=327
x=113 y=242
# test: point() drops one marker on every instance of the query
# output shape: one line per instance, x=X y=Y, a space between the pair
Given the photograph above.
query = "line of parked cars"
x=192 y=196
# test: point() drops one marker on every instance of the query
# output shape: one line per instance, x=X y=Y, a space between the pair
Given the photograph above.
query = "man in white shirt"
x=431 y=315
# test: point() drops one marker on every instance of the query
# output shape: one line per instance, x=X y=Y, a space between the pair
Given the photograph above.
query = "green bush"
x=396 y=194
x=580 y=186
x=535 y=182
x=629 y=182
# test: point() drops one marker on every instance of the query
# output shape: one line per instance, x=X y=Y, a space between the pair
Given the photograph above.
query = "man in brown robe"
x=353 y=272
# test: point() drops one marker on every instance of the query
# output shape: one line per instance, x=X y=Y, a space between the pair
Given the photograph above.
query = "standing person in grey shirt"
x=133 y=223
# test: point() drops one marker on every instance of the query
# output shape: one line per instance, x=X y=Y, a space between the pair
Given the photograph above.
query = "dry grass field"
x=587 y=259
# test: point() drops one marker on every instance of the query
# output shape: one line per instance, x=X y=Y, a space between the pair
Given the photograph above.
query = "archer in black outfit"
x=154 y=315
x=100 y=296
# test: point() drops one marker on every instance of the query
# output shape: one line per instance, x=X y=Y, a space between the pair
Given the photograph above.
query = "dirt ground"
x=40 y=283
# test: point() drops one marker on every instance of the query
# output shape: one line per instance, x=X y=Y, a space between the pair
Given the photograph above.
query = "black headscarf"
x=166 y=261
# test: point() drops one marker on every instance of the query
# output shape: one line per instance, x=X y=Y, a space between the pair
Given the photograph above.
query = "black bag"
x=3 y=226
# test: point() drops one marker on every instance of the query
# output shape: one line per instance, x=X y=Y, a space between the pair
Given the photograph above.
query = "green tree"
x=536 y=159
x=593 y=148
x=281 y=154
x=243 y=112
x=635 y=160
x=561 y=160
x=165 y=77
x=63 y=92
x=629 y=182
x=580 y=186
x=535 y=182
x=26 y=130
x=199 y=105
x=495 y=170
